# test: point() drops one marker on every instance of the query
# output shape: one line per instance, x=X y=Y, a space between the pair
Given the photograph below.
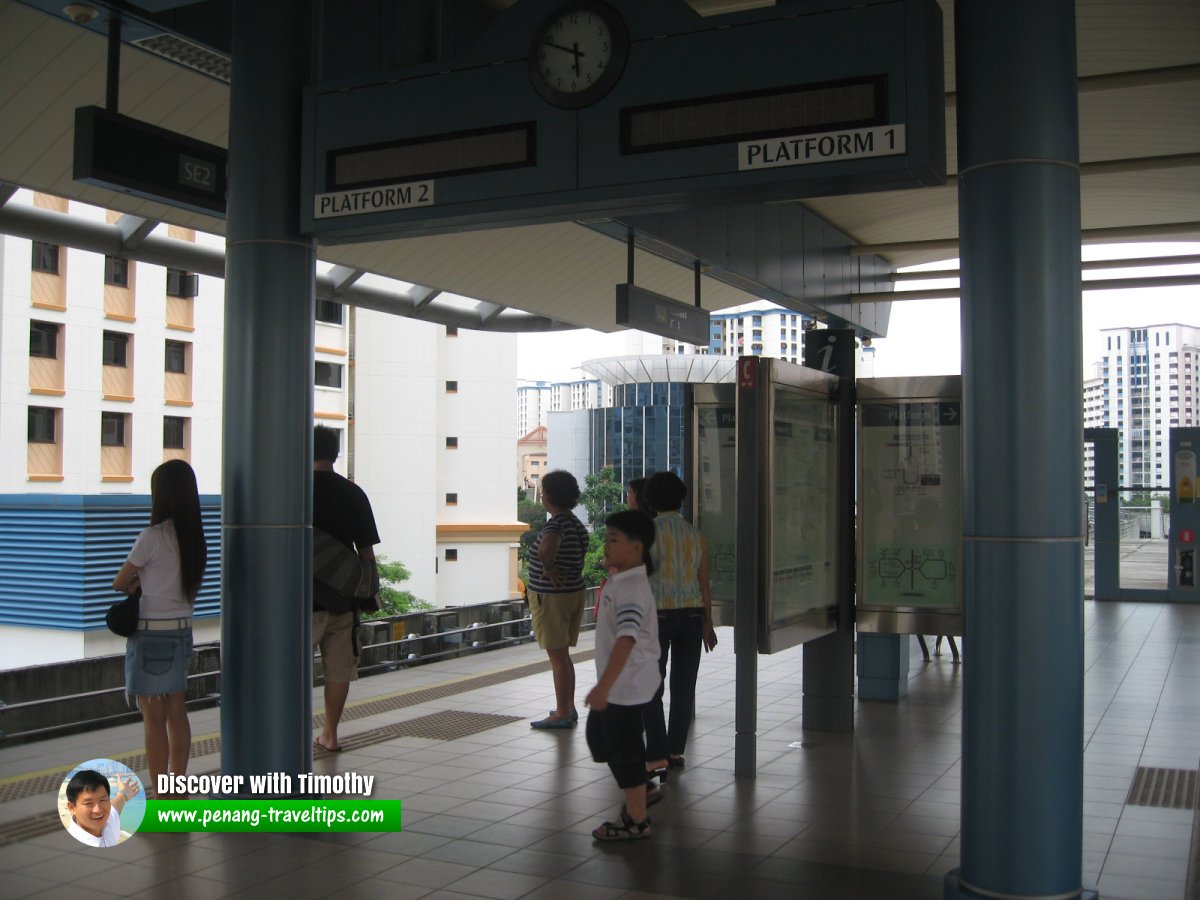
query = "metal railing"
x=376 y=657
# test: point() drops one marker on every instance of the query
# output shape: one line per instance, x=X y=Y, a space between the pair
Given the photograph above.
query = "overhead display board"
x=564 y=109
x=910 y=509
x=134 y=157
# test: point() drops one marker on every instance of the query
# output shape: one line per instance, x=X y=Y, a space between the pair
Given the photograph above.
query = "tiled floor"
x=507 y=812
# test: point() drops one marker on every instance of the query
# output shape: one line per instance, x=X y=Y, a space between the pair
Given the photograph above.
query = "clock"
x=578 y=53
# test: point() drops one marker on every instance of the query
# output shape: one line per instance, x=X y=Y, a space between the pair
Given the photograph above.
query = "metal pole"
x=113 y=79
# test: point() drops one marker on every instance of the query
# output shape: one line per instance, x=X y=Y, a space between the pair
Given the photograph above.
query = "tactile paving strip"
x=18 y=788
x=442 y=726
x=1164 y=788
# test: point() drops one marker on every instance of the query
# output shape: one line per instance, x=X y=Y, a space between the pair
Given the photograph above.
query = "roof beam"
x=342 y=278
x=488 y=312
x=1164 y=231
x=134 y=230
x=422 y=297
x=1094 y=265
x=38 y=224
x=1096 y=284
x=6 y=192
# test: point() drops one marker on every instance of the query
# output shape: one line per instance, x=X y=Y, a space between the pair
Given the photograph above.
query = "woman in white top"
x=167 y=562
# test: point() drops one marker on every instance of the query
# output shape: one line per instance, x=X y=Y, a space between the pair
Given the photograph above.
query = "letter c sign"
x=747 y=368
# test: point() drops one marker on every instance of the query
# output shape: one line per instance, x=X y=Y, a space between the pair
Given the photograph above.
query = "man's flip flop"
x=317 y=745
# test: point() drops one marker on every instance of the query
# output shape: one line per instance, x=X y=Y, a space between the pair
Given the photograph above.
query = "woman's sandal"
x=625 y=830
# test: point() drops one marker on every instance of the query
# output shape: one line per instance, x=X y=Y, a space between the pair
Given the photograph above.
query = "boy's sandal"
x=625 y=830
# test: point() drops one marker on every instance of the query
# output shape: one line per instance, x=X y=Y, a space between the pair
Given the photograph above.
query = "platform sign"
x=771 y=104
x=910 y=519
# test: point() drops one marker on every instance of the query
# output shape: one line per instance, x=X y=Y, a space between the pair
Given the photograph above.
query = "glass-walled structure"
x=641 y=433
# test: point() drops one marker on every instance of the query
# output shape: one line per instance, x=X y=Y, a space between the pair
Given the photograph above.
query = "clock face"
x=578 y=54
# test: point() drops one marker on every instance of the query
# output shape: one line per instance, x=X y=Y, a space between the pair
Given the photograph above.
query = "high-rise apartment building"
x=758 y=331
x=108 y=367
x=1144 y=384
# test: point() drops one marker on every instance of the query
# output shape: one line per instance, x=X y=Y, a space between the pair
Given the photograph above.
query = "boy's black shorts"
x=614 y=735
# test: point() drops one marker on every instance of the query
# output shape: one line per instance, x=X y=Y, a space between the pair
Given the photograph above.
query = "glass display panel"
x=911 y=509
x=716 y=496
x=802 y=485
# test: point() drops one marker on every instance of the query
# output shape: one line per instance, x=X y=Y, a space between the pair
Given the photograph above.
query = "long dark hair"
x=175 y=497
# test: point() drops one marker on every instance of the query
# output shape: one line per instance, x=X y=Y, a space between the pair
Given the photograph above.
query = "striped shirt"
x=568 y=561
x=678 y=547
x=626 y=609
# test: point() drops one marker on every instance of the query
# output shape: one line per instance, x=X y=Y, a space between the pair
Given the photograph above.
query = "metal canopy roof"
x=1139 y=68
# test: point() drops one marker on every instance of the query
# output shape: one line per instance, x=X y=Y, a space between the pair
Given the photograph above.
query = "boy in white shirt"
x=627 y=668
x=95 y=817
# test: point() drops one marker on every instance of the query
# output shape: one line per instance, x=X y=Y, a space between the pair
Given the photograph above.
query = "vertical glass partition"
x=713 y=486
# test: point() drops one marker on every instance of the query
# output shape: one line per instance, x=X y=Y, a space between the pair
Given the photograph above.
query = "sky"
x=923 y=335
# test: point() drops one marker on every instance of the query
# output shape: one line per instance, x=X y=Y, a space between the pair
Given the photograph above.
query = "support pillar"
x=882 y=666
x=266 y=591
x=1022 y=780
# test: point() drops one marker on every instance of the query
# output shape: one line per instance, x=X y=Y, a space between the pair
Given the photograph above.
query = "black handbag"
x=122 y=616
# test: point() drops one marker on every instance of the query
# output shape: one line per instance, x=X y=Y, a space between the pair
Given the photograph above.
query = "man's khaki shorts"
x=334 y=634
x=556 y=618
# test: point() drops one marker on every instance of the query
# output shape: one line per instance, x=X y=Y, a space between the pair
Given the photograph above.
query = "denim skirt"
x=156 y=662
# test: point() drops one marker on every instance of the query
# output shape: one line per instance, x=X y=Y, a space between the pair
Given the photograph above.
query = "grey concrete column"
x=266 y=626
x=1022 y=779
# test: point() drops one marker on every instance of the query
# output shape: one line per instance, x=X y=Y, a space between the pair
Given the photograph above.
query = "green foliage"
x=395 y=601
x=1143 y=499
x=601 y=496
x=593 y=561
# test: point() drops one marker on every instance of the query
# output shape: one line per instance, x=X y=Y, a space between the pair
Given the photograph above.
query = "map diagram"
x=922 y=575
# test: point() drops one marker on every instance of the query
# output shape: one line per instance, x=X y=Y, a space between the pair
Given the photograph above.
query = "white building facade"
x=109 y=367
x=1144 y=384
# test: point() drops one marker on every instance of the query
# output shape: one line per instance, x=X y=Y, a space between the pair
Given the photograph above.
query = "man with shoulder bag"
x=341 y=584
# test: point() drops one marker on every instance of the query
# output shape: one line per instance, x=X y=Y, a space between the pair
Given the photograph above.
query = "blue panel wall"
x=59 y=553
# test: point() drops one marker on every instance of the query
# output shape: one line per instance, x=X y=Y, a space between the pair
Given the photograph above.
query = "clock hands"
x=573 y=49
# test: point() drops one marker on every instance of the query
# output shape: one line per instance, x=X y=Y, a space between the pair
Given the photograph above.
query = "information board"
x=803 y=471
x=715 y=501
x=910 y=518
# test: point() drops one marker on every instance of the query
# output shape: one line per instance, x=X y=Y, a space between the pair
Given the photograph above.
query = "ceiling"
x=1139 y=69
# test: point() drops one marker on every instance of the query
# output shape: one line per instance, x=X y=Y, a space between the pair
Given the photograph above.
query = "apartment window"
x=452 y=499
x=451 y=387
x=174 y=432
x=451 y=443
x=328 y=375
x=176 y=357
x=42 y=428
x=452 y=555
x=45 y=258
x=182 y=284
x=116 y=271
x=329 y=311
x=112 y=429
x=43 y=340
x=116 y=349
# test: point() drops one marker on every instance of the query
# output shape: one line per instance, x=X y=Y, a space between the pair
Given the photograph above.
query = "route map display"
x=803 y=473
x=716 y=502
x=911 y=508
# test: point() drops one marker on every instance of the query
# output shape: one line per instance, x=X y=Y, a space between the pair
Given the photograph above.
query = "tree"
x=395 y=601
x=602 y=495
